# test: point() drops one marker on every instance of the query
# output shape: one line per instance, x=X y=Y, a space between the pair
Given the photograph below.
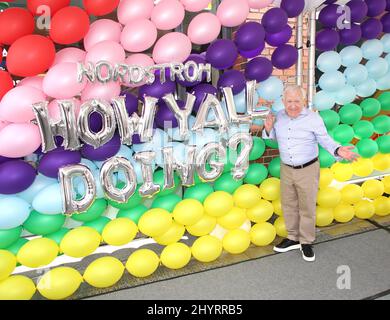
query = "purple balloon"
x=387 y=5
x=284 y=56
x=95 y=122
x=16 y=176
x=198 y=59
x=52 y=161
x=104 y=152
x=234 y=79
x=157 y=89
x=164 y=115
x=330 y=1
x=274 y=20
x=350 y=36
x=371 y=28
x=5 y=159
x=293 y=8
x=252 y=53
x=258 y=69
x=131 y=103
x=375 y=7
x=328 y=16
x=136 y=138
x=358 y=9
x=327 y=39
x=200 y=91
x=386 y=22
x=249 y=36
x=279 y=38
x=222 y=54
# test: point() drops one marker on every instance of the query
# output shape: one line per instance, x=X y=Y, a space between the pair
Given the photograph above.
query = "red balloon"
x=30 y=55
x=6 y=83
x=15 y=23
x=69 y=25
x=100 y=7
x=54 y=5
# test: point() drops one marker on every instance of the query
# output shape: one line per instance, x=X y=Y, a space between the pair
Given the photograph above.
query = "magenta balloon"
x=279 y=38
x=250 y=36
x=195 y=5
x=232 y=13
x=138 y=35
x=375 y=7
x=102 y=30
x=234 y=79
x=16 y=176
x=274 y=20
x=104 y=152
x=172 y=47
x=52 y=161
x=350 y=36
x=293 y=8
x=130 y=10
x=386 y=22
x=284 y=56
x=329 y=16
x=222 y=54
x=168 y=14
x=204 y=28
x=371 y=28
x=69 y=55
x=327 y=39
x=359 y=10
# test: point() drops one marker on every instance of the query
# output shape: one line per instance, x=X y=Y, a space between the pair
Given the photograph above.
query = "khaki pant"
x=299 y=189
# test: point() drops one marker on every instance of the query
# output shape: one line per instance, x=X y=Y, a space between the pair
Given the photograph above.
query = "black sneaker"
x=308 y=253
x=287 y=245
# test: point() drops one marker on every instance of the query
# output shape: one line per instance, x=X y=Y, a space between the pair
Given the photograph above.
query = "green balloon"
x=367 y=148
x=227 y=183
x=273 y=144
x=133 y=201
x=4 y=5
x=370 y=107
x=98 y=224
x=133 y=213
x=381 y=124
x=167 y=202
x=9 y=236
x=198 y=192
x=274 y=167
x=257 y=149
x=363 y=129
x=256 y=173
x=326 y=159
x=383 y=144
x=331 y=118
x=158 y=178
x=350 y=113
x=58 y=235
x=384 y=100
x=343 y=133
x=94 y=212
x=15 y=247
x=41 y=224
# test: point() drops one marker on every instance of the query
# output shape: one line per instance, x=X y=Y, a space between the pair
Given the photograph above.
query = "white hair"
x=294 y=88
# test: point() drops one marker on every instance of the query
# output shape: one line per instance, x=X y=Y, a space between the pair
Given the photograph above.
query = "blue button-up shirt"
x=298 y=138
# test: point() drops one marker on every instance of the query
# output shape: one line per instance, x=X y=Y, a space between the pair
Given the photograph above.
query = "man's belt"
x=303 y=165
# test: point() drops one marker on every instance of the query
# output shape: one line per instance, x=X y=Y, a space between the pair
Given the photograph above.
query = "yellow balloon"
x=218 y=203
x=262 y=234
x=246 y=196
x=174 y=234
x=373 y=188
x=59 y=283
x=342 y=171
x=37 y=252
x=364 y=209
x=80 y=242
x=324 y=216
x=233 y=219
x=7 y=264
x=119 y=231
x=381 y=161
x=236 y=241
x=362 y=167
x=176 y=255
x=280 y=227
x=142 y=263
x=261 y=212
x=351 y=193
x=386 y=183
x=204 y=226
x=270 y=189
x=206 y=248
x=277 y=204
x=382 y=206
x=188 y=212
x=343 y=213
x=155 y=222
x=17 y=288
x=328 y=197
x=326 y=177
x=104 y=272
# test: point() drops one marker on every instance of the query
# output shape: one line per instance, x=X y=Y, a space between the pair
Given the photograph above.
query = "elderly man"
x=298 y=131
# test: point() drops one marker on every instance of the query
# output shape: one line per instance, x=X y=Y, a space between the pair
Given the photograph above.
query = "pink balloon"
x=61 y=82
x=35 y=82
x=3 y=124
x=19 y=140
x=54 y=110
x=172 y=47
x=232 y=13
x=259 y=4
x=195 y=5
x=102 y=30
x=168 y=14
x=129 y=10
x=138 y=35
x=138 y=59
x=110 y=51
x=97 y=90
x=69 y=55
x=16 y=105
x=204 y=28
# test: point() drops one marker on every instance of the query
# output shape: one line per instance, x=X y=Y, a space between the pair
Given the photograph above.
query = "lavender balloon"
x=222 y=54
x=371 y=28
x=52 y=161
x=274 y=20
x=234 y=79
x=350 y=36
x=284 y=56
x=197 y=58
x=258 y=69
x=386 y=22
x=104 y=152
x=279 y=38
x=293 y=8
x=327 y=39
x=165 y=116
x=200 y=91
x=16 y=176
x=157 y=89
x=359 y=10
x=329 y=16
x=252 y=53
x=375 y=7
x=250 y=36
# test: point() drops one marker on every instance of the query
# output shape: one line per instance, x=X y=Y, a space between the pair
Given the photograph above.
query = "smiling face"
x=294 y=102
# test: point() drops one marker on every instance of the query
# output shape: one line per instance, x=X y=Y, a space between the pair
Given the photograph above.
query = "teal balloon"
x=97 y=224
x=370 y=107
x=350 y=113
x=372 y=49
x=332 y=81
x=15 y=247
x=363 y=129
x=324 y=100
x=356 y=74
x=383 y=144
x=13 y=212
x=367 y=148
x=343 y=133
x=382 y=124
x=9 y=236
x=329 y=61
x=256 y=173
x=257 y=149
x=274 y=167
x=167 y=202
x=95 y=211
x=351 y=55
x=326 y=159
x=133 y=201
x=345 y=95
x=39 y=183
x=270 y=89
x=158 y=178
x=273 y=144
x=48 y=200
x=331 y=118
x=58 y=235
x=41 y=224
x=366 y=89
x=383 y=83
x=134 y=213
x=198 y=192
x=377 y=68
x=227 y=183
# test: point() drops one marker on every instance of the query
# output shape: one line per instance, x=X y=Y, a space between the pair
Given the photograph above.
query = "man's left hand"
x=347 y=153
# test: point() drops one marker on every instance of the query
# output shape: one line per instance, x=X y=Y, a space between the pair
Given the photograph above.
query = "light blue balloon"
x=387 y=58
x=211 y=114
x=48 y=200
x=329 y=61
x=270 y=89
x=345 y=95
x=332 y=81
x=124 y=152
x=39 y=183
x=372 y=49
x=383 y=83
x=80 y=187
x=278 y=105
x=356 y=74
x=351 y=55
x=202 y=138
x=324 y=100
x=92 y=166
x=366 y=89
x=377 y=68
x=242 y=128
x=13 y=212
x=240 y=101
x=174 y=133
x=386 y=42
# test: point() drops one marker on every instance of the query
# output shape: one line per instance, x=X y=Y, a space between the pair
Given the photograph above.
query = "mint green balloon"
x=133 y=201
x=384 y=100
x=257 y=149
x=350 y=113
x=15 y=247
x=274 y=167
x=381 y=124
x=158 y=178
x=370 y=107
x=273 y=144
x=367 y=148
x=167 y=202
x=227 y=183
x=343 y=133
x=58 y=235
x=331 y=118
x=256 y=173
x=326 y=159
x=198 y=192
x=9 y=236
x=383 y=144
x=363 y=129
x=98 y=224
x=134 y=213
x=41 y=224
x=95 y=211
